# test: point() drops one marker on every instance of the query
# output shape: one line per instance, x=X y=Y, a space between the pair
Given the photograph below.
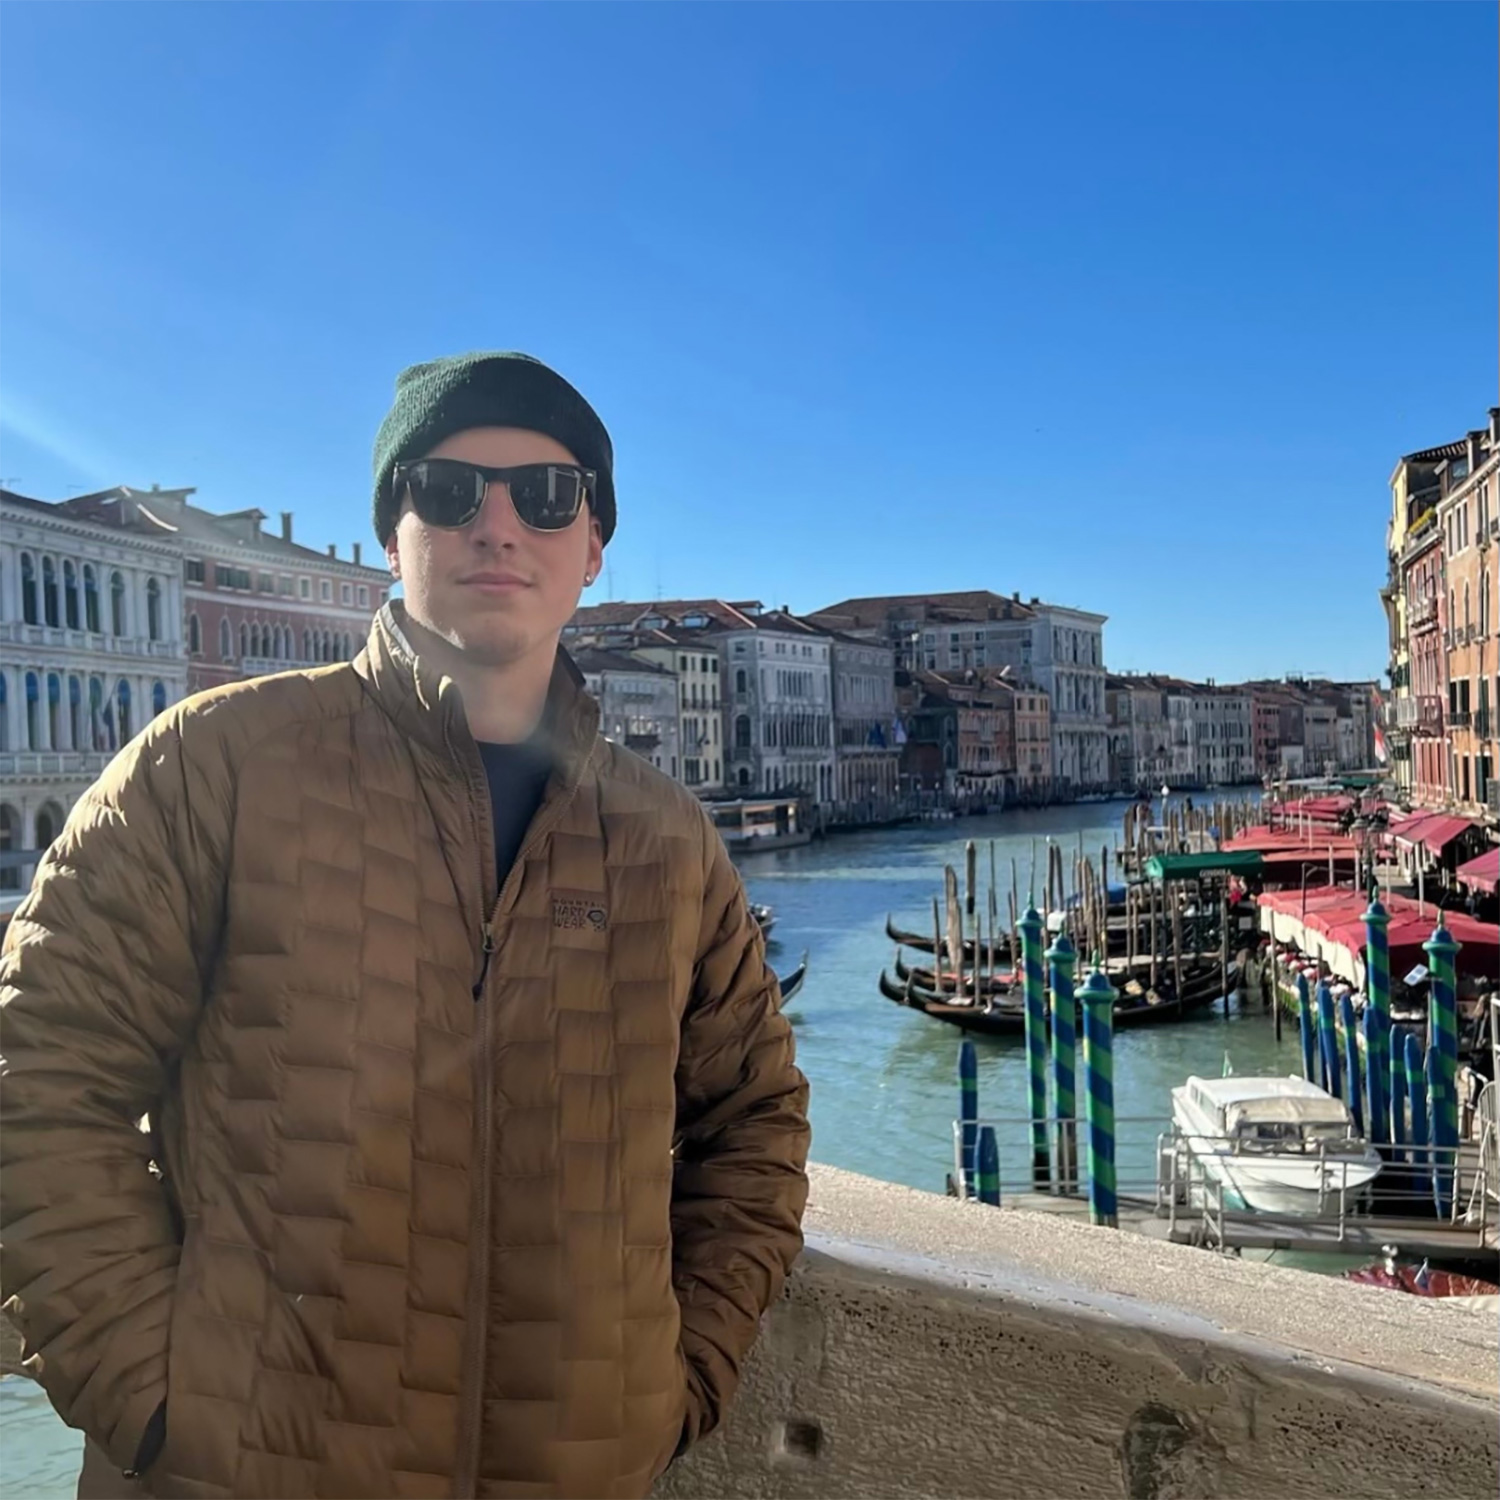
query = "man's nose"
x=497 y=522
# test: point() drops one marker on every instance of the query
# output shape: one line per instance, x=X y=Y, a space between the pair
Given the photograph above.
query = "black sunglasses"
x=449 y=493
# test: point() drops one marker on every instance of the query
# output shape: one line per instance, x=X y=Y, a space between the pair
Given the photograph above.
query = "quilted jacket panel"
x=385 y=1237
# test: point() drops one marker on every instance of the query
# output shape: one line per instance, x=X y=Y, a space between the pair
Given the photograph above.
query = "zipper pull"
x=486 y=948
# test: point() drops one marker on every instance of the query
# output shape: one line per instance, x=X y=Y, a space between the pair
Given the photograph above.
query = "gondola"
x=765 y=918
x=997 y=985
x=1200 y=989
x=920 y=944
x=793 y=981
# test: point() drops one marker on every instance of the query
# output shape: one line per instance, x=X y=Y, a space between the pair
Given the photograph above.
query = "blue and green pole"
x=1442 y=1038
x=1060 y=961
x=1377 y=1022
x=1351 y=1061
x=968 y=1110
x=989 y=1167
x=1416 y=1096
x=1036 y=1045
x=1398 y=1097
x=1328 y=1042
x=1098 y=1000
x=1305 y=1030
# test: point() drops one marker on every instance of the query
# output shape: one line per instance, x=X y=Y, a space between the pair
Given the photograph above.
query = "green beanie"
x=445 y=396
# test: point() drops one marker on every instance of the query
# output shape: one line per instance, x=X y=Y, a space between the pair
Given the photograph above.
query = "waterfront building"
x=91 y=649
x=695 y=657
x=1468 y=526
x=867 y=749
x=776 y=688
x=638 y=704
x=1058 y=648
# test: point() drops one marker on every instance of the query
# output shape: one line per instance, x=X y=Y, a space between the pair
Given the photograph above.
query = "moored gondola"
x=793 y=981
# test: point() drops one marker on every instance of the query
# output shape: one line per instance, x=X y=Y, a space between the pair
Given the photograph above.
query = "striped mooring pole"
x=1442 y=1043
x=1377 y=1021
x=1060 y=960
x=1351 y=1061
x=968 y=1110
x=1098 y=1000
x=1305 y=1030
x=1416 y=1098
x=989 y=1167
x=1036 y=1045
x=1398 y=1097
x=1328 y=1042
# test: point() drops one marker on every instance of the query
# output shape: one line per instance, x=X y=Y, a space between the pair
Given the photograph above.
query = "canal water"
x=884 y=1078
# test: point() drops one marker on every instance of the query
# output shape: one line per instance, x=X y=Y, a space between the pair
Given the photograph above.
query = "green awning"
x=1197 y=866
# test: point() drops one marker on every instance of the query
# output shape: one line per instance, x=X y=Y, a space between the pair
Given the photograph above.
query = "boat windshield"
x=1291 y=1135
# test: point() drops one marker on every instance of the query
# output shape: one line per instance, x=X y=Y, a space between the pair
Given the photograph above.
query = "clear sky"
x=1129 y=307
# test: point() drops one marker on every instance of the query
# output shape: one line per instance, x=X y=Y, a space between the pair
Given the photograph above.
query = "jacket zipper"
x=471 y=1409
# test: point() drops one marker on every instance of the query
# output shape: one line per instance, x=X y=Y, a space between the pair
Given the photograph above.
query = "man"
x=476 y=1143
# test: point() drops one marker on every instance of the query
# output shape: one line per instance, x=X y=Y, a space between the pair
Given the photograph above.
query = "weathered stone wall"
x=930 y=1348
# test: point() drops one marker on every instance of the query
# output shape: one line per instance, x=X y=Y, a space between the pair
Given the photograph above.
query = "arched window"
x=158 y=698
x=10 y=838
x=1467 y=616
x=195 y=636
x=117 y=602
x=90 y=599
x=28 y=590
x=740 y=681
x=307 y=645
x=49 y=822
x=49 y=591
x=245 y=641
x=348 y=651
x=122 y=710
x=101 y=726
x=70 y=595
x=81 y=738
x=33 y=712
x=278 y=643
x=226 y=641
x=54 y=710
x=742 y=732
x=153 y=610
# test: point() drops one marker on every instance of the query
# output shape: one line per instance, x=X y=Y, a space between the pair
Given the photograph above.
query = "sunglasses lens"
x=546 y=498
x=444 y=492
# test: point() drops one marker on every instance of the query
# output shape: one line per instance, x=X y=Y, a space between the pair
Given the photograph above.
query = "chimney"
x=357 y=562
x=1475 y=438
x=1495 y=427
x=1016 y=597
x=286 y=526
x=333 y=549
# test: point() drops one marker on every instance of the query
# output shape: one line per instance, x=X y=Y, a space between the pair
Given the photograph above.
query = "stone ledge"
x=931 y=1348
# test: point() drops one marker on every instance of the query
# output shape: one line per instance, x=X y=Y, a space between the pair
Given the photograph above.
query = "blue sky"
x=1129 y=307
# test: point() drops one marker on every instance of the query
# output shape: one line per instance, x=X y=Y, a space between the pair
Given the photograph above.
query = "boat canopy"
x=1196 y=866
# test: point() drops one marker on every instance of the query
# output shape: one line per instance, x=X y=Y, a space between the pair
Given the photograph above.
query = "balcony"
x=930 y=1347
x=60 y=638
x=1458 y=719
x=15 y=764
x=1430 y=714
x=1483 y=724
x=1422 y=612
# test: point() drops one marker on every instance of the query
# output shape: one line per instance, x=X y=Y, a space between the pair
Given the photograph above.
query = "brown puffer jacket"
x=461 y=1191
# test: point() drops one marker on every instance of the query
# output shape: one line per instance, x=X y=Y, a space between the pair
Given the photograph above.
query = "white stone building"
x=91 y=649
x=868 y=758
x=637 y=705
x=694 y=656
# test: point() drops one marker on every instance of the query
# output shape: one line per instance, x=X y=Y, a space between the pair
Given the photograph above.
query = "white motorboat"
x=1277 y=1145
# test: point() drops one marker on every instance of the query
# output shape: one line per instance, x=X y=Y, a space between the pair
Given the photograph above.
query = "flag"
x=898 y=732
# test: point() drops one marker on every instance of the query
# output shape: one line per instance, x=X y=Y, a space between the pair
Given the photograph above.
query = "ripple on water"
x=39 y=1457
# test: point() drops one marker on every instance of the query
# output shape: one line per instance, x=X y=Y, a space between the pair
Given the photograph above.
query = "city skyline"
x=867 y=301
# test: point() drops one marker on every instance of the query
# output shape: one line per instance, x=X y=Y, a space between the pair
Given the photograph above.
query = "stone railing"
x=927 y=1347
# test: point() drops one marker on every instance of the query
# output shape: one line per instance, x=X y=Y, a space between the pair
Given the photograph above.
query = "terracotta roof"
x=596 y=659
x=972 y=604
x=725 y=616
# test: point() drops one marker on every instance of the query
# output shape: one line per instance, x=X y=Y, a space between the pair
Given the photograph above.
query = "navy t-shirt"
x=518 y=776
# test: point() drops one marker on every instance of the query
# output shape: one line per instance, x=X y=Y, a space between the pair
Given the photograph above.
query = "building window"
x=364 y=596
x=117 y=602
x=195 y=636
x=284 y=585
x=346 y=593
x=158 y=698
x=304 y=588
x=90 y=599
x=226 y=641
x=742 y=732
x=741 y=682
x=325 y=590
x=193 y=570
x=153 y=610
x=265 y=583
x=70 y=595
x=245 y=641
x=49 y=591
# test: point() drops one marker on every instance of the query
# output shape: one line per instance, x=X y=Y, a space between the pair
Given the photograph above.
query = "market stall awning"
x=1482 y=874
x=1198 y=866
x=1434 y=831
x=1328 y=923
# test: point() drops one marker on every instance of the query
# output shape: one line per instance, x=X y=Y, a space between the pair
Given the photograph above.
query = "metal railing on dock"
x=1174 y=1185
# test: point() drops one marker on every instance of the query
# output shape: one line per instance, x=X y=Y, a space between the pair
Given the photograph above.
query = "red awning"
x=1482 y=874
x=1435 y=831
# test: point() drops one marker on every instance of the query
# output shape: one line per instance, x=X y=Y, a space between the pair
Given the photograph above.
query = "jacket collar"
x=426 y=706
